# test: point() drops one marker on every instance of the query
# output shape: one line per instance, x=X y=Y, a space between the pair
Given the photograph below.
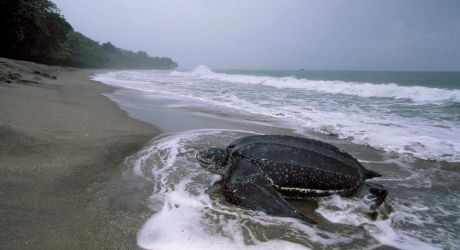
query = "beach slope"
x=62 y=144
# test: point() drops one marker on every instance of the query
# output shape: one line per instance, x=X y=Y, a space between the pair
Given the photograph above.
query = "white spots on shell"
x=316 y=191
x=308 y=182
x=304 y=171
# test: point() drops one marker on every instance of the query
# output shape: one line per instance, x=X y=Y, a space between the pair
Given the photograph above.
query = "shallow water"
x=410 y=139
x=418 y=120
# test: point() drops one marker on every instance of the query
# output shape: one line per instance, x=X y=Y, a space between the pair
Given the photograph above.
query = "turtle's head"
x=213 y=159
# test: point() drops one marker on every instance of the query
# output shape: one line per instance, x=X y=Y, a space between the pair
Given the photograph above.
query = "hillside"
x=36 y=31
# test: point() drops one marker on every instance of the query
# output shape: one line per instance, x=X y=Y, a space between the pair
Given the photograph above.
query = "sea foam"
x=414 y=120
x=189 y=211
x=353 y=212
x=184 y=214
x=416 y=94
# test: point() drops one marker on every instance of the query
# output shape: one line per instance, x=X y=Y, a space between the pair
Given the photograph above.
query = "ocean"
x=404 y=125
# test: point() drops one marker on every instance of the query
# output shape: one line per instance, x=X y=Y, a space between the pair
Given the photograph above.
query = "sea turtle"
x=259 y=171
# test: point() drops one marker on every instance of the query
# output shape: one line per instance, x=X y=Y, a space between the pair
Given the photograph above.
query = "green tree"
x=31 y=30
x=35 y=30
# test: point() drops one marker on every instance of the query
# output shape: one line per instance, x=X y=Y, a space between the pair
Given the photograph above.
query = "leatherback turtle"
x=259 y=171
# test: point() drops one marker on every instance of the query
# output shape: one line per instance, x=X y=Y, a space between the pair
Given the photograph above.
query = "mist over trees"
x=34 y=30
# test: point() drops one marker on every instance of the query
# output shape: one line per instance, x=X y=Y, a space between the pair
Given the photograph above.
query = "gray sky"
x=279 y=34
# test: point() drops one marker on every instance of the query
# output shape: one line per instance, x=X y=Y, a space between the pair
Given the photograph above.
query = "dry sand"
x=62 y=145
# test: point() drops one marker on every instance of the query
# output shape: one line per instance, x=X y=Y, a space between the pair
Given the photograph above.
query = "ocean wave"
x=426 y=132
x=416 y=94
x=387 y=231
x=185 y=216
x=189 y=213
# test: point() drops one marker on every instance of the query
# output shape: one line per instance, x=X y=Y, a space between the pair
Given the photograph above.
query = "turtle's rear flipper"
x=248 y=187
x=379 y=194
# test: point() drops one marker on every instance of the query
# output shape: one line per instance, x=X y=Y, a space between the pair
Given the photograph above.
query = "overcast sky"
x=279 y=34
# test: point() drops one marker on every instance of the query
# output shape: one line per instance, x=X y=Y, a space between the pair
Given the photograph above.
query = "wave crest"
x=416 y=94
x=199 y=71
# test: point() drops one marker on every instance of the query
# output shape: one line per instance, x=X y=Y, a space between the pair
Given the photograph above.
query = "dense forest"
x=34 y=30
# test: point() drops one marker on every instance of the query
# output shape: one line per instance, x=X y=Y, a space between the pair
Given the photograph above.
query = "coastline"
x=63 y=183
x=186 y=205
x=62 y=144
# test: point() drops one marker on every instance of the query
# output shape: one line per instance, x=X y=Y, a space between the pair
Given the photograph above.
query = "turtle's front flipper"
x=378 y=192
x=247 y=186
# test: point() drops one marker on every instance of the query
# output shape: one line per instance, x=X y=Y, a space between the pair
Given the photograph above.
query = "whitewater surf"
x=407 y=132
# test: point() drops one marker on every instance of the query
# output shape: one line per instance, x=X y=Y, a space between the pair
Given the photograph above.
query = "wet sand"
x=344 y=223
x=62 y=144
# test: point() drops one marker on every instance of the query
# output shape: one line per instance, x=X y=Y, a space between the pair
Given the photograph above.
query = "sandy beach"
x=203 y=108
x=171 y=125
x=85 y=165
x=62 y=144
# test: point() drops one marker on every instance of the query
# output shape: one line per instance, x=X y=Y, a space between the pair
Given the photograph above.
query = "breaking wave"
x=426 y=131
x=416 y=94
x=187 y=215
x=187 y=204
x=190 y=212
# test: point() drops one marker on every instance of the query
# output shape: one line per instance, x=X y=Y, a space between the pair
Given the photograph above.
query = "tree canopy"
x=35 y=30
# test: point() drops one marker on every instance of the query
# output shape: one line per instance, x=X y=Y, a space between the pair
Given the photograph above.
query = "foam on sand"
x=414 y=120
x=185 y=216
x=353 y=212
x=190 y=212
